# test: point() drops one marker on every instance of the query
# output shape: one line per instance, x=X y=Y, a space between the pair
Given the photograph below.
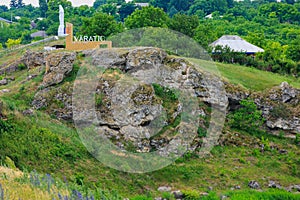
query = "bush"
x=297 y=139
x=280 y=110
x=4 y=126
x=191 y=195
x=21 y=66
x=10 y=163
x=201 y=132
x=247 y=118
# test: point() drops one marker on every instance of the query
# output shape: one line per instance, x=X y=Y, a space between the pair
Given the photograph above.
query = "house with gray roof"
x=236 y=44
x=39 y=34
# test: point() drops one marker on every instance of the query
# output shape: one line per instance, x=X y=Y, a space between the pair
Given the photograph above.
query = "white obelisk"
x=61 y=28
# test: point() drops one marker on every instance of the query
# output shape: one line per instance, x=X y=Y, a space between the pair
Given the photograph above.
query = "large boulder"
x=57 y=67
x=32 y=59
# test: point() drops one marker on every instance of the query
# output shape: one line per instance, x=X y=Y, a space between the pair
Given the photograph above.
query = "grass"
x=246 y=77
x=50 y=146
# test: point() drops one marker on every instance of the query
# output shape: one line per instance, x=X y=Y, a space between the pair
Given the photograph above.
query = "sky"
x=36 y=2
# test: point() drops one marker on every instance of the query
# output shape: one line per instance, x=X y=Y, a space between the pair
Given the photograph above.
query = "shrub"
x=191 y=195
x=11 y=43
x=201 y=132
x=280 y=110
x=167 y=196
x=266 y=144
x=79 y=178
x=4 y=126
x=21 y=66
x=10 y=163
x=247 y=118
x=297 y=139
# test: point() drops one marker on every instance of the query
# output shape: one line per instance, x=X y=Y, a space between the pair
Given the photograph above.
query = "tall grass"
x=247 y=77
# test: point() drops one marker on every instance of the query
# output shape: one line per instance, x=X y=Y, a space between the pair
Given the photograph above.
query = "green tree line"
x=273 y=26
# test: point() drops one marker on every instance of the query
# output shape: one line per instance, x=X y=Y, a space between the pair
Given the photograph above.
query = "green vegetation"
x=246 y=77
x=247 y=117
x=42 y=143
x=268 y=24
x=269 y=195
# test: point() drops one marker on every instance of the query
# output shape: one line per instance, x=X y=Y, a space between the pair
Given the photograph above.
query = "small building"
x=41 y=34
x=142 y=4
x=236 y=44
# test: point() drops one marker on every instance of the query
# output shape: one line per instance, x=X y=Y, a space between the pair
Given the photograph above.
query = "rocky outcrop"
x=281 y=108
x=280 y=105
x=129 y=112
x=29 y=60
x=57 y=67
x=33 y=59
x=57 y=100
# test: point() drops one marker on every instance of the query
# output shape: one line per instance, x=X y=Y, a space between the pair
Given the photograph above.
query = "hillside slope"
x=37 y=131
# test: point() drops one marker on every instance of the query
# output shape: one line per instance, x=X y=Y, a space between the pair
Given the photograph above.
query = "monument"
x=84 y=42
x=61 y=28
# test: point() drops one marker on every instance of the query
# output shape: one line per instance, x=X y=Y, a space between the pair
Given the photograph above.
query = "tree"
x=99 y=3
x=172 y=11
x=13 y=4
x=180 y=5
x=117 y=2
x=230 y=3
x=126 y=9
x=43 y=7
x=3 y=8
x=100 y=24
x=161 y=4
x=209 y=6
x=11 y=42
x=247 y=118
x=290 y=1
x=26 y=38
x=20 y=4
x=147 y=16
x=293 y=50
x=109 y=9
x=184 y=24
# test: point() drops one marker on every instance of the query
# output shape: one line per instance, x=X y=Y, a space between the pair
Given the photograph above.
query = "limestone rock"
x=4 y=82
x=5 y=90
x=254 y=185
x=144 y=57
x=57 y=67
x=40 y=99
x=28 y=112
x=287 y=92
x=273 y=184
x=107 y=58
x=33 y=59
x=177 y=194
x=164 y=189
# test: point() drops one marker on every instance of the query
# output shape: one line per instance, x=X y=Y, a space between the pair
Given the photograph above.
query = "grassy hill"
x=247 y=77
x=41 y=142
